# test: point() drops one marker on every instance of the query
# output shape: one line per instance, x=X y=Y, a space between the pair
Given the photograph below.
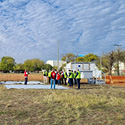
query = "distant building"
x=121 y=68
x=54 y=63
x=87 y=69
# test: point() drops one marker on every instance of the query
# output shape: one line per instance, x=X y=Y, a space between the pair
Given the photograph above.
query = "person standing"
x=74 y=77
x=62 y=77
x=70 y=78
x=45 y=76
x=78 y=77
x=26 y=77
x=58 y=77
x=65 y=77
x=53 y=78
x=49 y=75
x=56 y=81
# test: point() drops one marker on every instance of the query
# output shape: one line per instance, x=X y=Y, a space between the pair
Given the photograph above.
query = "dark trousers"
x=26 y=79
x=78 y=83
x=65 y=81
x=49 y=79
x=75 y=81
x=56 y=81
x=61 y=80
x=70 y=82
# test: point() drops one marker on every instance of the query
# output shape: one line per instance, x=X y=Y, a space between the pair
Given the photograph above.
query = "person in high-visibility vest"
x=70 y=78
x=62 y=77
x=74 y=77
x=45 y=76
x=65 y=77
x=49 y=75
x=26 y=77
x=78 y=78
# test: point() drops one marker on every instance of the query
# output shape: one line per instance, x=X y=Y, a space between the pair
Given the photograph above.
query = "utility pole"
x=101 y=66
x=76 y=62
x=58 y=55
x=118 y=52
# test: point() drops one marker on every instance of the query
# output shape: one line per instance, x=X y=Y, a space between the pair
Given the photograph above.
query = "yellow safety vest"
x=79 y=75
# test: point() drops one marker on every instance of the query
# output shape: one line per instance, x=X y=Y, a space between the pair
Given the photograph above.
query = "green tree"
x=19 y=66
x=80 y=59
x=55 y=67
x=0 y=66
x=62 y=67
x=7 y=63
x=69 y=57
x=90 y=57
x=47 y=67
x=87 y=58
x=33 y=64
x=107 y=61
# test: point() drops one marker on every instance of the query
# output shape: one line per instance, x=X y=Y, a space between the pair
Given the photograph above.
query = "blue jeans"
x=59 y=82
x=78 y=83
x=53 y=80
x=75 y=81
x=70 y=81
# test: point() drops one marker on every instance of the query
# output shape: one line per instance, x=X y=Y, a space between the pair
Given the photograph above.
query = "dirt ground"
x=118 y=84
x=20 y=77
x=37 y=77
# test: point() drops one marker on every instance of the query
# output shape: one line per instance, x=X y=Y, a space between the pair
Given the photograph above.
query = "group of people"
x=55 y=77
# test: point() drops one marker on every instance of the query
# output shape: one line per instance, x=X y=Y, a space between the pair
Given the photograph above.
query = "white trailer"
x=87 y=69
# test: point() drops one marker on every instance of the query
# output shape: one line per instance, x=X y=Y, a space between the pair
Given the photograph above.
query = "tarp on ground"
x=33 y=87
x=21 y=82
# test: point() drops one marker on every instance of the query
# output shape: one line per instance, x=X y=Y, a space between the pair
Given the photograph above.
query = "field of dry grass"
x=20 y=77
x=92 y=104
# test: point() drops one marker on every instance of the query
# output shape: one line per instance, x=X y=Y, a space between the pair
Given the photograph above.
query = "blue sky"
x=31 y=28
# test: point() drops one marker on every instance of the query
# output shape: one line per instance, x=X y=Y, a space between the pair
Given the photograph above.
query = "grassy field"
x=91 y=105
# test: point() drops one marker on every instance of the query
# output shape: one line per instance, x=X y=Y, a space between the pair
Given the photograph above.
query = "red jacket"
x=25 y=74
x=58 y=76
x=62 y=74
x=53 y=75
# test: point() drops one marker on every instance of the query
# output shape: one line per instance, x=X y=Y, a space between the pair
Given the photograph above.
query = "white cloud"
x=30 y=29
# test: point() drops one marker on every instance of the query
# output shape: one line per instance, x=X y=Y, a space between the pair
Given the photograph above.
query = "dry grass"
x=92 y=104
x=20 y=77
x=118 y=84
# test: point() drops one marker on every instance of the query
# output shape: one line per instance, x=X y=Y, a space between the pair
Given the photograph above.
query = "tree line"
x=8 y=64
x=105 y=62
